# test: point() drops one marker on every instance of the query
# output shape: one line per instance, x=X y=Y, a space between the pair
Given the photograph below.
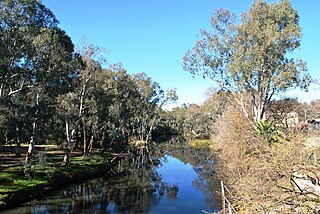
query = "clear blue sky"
x=152 y=36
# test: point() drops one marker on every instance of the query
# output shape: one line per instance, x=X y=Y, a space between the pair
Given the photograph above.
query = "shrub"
x=257 y=165
x=269 y=132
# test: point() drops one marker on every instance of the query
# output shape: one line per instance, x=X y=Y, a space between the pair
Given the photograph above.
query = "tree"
x=92 y=60
x=312 y=111
x=37 y=63
x=251 y=57
x=283 y=111
x=146 y=104
x=67 y=111
x=24 y=24
x=24 y=28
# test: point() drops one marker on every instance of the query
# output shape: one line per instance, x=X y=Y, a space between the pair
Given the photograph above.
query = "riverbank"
x=168 y=177
x=48 y=174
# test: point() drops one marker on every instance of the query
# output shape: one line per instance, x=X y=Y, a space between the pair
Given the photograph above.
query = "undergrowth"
x=257 y=165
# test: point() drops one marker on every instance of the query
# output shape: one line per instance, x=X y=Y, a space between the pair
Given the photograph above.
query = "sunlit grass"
x=12 y=179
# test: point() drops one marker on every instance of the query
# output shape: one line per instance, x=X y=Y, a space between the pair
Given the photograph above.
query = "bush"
x=257 y=162
x=268 y=131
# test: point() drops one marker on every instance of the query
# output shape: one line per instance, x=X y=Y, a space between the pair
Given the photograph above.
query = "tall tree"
x=145 y=115
x=23 y=24
x=89 y=75
x=252 y=56
x=37 y=62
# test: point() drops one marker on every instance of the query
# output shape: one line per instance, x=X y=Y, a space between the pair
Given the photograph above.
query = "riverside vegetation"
x=52 y=93
x=265 y=156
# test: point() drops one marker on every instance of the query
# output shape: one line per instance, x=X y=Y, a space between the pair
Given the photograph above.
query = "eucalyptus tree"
x=101 y=98
x=67 y=112
x=145 y=115
x=87 y=121
x=37 y=62
x=165 y=121
x=179 y=119
x=123 y=96
x=20 y=23
x=251 y=56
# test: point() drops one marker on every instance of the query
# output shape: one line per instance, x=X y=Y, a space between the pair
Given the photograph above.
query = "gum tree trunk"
x=66 y=158
x=28 y=161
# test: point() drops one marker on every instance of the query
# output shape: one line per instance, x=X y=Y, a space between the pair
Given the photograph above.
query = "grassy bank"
x=48 y=174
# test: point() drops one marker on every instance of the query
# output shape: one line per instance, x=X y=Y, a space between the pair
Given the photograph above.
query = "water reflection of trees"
x=134 y=187
x=140 y=187
x=202 y=161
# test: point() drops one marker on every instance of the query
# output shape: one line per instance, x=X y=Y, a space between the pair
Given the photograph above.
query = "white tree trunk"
x=18 y=144
x=66 y=159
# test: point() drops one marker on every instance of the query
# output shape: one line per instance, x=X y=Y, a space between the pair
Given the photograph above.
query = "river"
x=165 y=178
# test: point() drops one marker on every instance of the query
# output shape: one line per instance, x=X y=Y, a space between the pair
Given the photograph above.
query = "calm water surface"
x=171 y=178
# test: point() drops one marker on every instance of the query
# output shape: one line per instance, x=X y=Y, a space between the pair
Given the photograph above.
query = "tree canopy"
x=50 y=92
x=251 y=55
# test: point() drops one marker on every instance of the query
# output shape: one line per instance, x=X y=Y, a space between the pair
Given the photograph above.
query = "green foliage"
x=46 y=169
x=251 y=55
x=197 y=121
x=37 y=63
x=268 y=131
x=46 y=84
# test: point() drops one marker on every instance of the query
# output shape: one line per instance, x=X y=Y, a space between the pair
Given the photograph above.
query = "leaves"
x=268 y=131
x=251 y=55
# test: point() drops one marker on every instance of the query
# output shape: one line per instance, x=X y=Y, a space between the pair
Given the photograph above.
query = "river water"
x=166 y=178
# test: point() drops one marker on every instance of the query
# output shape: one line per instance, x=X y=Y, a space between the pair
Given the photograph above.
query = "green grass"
x=12 y=179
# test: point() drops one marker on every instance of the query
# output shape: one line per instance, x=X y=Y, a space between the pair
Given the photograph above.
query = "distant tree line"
x=52 y=93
